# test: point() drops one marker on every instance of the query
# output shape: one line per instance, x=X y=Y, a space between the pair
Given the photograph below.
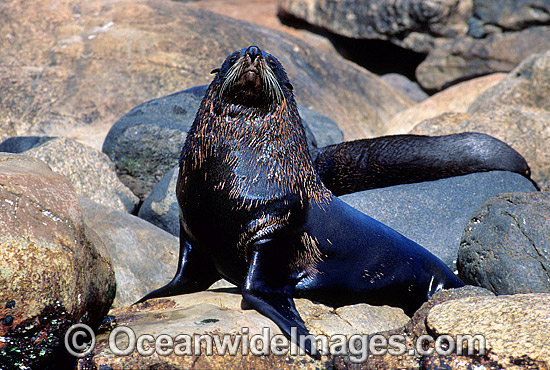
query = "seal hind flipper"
x=400 y=159
x=270 y=293
x=195 y=272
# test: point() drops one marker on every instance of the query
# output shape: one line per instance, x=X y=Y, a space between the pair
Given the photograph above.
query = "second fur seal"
x=254 y=211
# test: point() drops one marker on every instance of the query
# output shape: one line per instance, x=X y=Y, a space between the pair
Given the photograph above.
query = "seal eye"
x=272 y=64
x=233 y=59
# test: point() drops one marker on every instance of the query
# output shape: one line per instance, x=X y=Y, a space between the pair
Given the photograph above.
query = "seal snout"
x=253 y=52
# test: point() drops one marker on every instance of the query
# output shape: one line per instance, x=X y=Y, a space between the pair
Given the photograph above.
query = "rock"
x=218 y=312
x=411 y=89
x=144 y=257
x=434 y=213
x=463 y=39
x=411 y=331
x=505 y=245
x=51 y=275
x=410 y=24
x=457 y=98
x=90 y=171
x=528 y=85
x=466 y=57
x=20 y=144
x=515 y=328
x=161 y=206
x=493 y=17
x=516 y=111
x=146 y=142
x=65 y=74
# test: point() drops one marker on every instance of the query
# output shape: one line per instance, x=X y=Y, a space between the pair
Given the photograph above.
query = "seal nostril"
x=253 y=52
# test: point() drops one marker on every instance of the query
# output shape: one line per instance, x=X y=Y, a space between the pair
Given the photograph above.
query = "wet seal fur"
x=254 y=211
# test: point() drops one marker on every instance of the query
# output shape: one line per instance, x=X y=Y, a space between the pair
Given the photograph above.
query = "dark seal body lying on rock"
x=254 y=211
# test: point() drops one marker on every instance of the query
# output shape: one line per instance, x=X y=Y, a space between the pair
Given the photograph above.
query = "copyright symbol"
x=80 y=340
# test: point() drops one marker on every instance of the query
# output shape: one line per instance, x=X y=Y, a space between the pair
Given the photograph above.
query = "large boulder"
x=51 y=275
x=72 y=68
x=143 y=256
x=411 y=24
x=463 y=38
x=89 y=170
x=467 y=57
x=505 y=245
x=456 y=99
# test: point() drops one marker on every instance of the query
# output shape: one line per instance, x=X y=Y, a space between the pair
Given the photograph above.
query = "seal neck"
x=265 y=143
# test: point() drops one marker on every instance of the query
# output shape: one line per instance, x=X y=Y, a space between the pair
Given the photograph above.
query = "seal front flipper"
x=270 y=293
x=195 y=272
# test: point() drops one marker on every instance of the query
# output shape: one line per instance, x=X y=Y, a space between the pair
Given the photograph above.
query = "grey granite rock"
x=20 y=144
x=89 y=170
x=144 y=257
x=505 y=246
x=434 y=213
x=161 y=206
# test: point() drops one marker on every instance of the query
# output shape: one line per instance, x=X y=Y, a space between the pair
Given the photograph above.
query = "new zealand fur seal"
x=254 y=211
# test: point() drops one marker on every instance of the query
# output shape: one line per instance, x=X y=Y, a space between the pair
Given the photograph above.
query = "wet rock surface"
x=52 y=275
x=513 y=326
x=219 y=311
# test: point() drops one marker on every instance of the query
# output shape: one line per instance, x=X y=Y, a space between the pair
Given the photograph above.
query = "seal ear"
x=215 y=70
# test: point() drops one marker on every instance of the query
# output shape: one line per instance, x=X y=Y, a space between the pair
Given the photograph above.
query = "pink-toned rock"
x=457 y=98
x=72 y=68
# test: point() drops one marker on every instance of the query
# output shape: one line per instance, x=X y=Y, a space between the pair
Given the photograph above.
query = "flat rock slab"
x=219 y=312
